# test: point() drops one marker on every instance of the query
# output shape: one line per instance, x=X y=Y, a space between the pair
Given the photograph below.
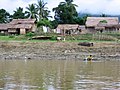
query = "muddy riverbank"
x=57 y=50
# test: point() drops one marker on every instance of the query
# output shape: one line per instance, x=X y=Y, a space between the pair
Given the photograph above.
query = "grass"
x=104 y=37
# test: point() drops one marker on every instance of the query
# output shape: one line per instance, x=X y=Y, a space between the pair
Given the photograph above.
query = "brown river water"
x=59 y=75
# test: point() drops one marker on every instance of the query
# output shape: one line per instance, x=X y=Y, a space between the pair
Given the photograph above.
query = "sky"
x=111 y=7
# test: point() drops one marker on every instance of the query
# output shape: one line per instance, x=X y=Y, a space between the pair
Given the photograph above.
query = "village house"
x=18 y=26
x=69 y=29
x=4 y=28
x=94 y=24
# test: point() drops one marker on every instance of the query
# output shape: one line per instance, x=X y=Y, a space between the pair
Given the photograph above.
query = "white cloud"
x=99 y=6
x=113 y=7
x=11 y=5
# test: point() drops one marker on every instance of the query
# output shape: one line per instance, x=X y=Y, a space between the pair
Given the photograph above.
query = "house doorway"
x=18 y=31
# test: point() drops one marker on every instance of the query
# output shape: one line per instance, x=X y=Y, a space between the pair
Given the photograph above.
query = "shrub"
x=54 y=37
x=103 y=21
x=30 y=34
x=11 y=36
x=2 y=34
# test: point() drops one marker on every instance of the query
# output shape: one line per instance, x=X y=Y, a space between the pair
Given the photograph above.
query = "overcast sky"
x=91 y=6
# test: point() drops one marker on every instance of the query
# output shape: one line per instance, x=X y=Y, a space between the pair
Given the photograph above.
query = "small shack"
x=101 y=23
x=21 y=26
x=4 y=28
x=18 y=26
x=68 y=29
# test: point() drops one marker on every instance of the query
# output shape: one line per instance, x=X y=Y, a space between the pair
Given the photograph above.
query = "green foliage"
x=65 y=12
x=11 y=36
x=42 y=10
x=2 y=34
x=80 y=20
x=31 y=11
x=82 y=37
x=4 y=16
x=54 y=37
x=30 y=34
x=40 y=23
x=54 y=24
x=19 y=14
x=44 y=22
x=103 y=21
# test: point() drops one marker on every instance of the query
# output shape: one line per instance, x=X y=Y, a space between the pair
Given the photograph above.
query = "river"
x=59 y=75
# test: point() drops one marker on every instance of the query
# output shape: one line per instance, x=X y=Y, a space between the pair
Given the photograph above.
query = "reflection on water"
x=59 y=75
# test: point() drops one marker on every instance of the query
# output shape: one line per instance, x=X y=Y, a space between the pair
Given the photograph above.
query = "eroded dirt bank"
x=57 y=50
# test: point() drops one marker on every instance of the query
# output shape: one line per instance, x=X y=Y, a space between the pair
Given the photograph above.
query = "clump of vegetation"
x=30 y=34
x=11 y=36
x=54 y=37
x=2 y=34
x=103 y=21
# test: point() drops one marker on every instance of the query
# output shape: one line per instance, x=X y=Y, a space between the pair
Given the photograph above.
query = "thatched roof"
x=117 y=26
x=23 y=21
x=94 y=21
x=18 y=23
x=99 y=28
x=67 y=26
x=22 y=26
x=4 y=26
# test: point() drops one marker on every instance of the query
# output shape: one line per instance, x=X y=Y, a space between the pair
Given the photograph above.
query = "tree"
x=42 y=11
x=31 y=11
x=66 y=12
x=44 y=22
x=103 y=15
x=79 y=20
x=4 y=16
x=19 y=14
x=43 y=14
x=54 y=24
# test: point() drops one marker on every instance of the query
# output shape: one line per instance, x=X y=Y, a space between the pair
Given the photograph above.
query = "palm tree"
x=31 y=11
x=4 y=16
x=19 y=14
x=43 y=11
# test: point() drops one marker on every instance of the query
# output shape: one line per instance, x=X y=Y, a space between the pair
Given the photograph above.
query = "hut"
x=101 y=23
x=18 y=26
x=68 y=29
x=4 y=28
x=21 y=26
x=118 y=27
